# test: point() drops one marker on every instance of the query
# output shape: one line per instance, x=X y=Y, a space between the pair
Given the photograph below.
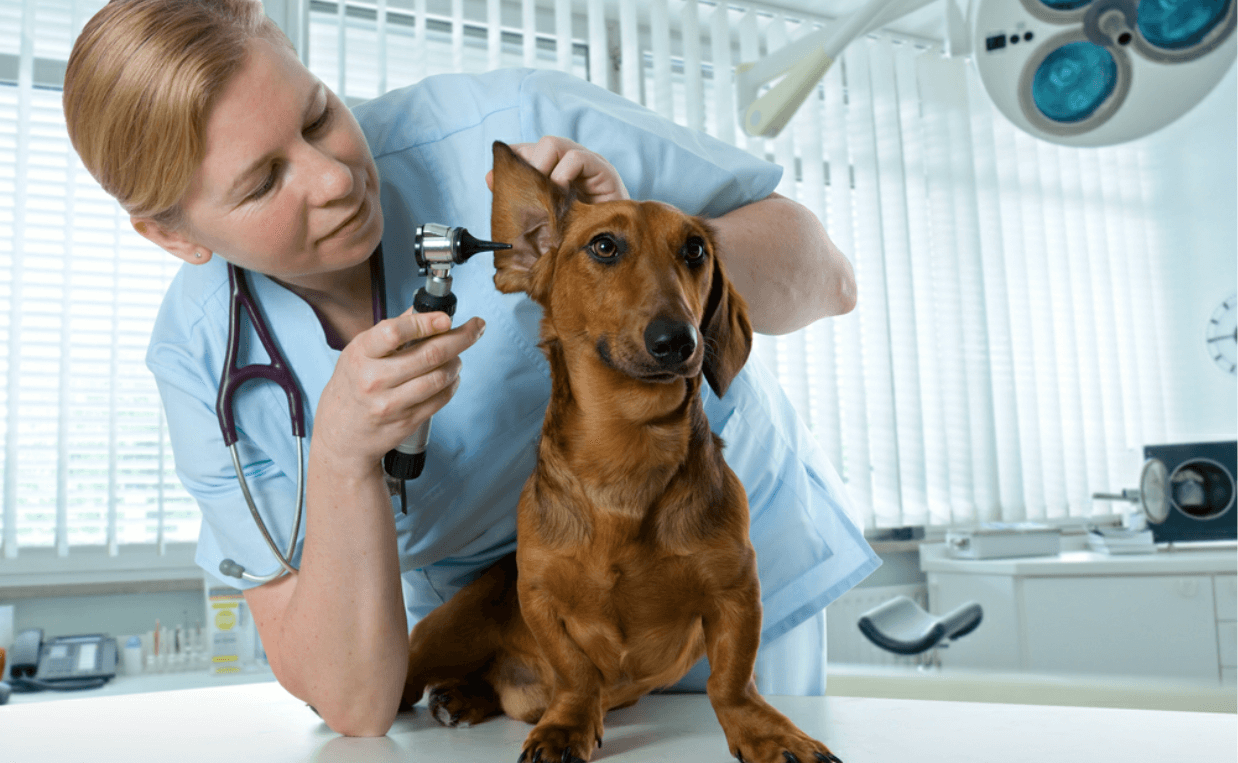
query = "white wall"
x=1195 y=164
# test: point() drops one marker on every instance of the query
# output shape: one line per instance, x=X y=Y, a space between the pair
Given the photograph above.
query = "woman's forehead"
x=263 y=106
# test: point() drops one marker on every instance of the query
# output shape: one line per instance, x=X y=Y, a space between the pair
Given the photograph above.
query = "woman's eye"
x=267 y=184
x=321 y=122
x=604 y=247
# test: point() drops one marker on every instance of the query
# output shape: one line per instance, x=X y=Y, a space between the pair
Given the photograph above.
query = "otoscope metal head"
x=439 y=247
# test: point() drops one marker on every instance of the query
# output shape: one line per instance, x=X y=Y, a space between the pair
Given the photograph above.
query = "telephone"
x=63 y=663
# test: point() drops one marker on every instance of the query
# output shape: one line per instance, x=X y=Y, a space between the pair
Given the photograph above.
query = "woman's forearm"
x=784 y=264
x=336 y=633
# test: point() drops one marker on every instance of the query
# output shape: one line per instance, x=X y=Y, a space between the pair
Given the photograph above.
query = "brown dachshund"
x=633 y=558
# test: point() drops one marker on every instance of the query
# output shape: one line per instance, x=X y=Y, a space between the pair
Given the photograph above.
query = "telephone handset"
x=63 y=663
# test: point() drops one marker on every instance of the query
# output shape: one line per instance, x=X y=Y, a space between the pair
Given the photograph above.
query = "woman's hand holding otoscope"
x=438 y=248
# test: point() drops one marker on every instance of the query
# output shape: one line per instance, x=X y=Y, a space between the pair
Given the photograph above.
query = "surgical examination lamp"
x=1075 y=72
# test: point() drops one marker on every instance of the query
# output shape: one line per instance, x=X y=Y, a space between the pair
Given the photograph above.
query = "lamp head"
x=1100 y=72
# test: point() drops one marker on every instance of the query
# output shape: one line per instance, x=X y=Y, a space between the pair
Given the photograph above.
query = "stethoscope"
x=276 y=370
x=437 y=249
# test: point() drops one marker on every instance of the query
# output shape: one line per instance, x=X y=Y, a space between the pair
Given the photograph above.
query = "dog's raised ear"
x=726 y=330
x=528 y=212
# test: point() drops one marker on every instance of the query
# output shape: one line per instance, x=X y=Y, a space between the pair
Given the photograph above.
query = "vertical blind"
x=86 y=459
x=1001 y=362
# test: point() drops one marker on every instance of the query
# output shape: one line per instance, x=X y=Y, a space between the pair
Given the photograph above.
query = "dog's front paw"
x=551 y=743
x=757 y=733
x=782 y=748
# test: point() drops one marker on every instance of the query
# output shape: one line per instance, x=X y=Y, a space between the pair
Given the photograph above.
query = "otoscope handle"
x=425 y=302
x=437 y=249
x=407 y=459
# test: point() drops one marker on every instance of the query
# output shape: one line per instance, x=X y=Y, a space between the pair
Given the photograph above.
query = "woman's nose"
x=330 y=178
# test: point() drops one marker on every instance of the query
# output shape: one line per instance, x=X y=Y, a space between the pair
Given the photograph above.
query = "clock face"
x=1222 y=335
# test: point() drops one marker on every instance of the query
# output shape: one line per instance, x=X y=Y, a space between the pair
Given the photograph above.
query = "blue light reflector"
x=1065 y=5
x=1178 y=24
x=1073 y=81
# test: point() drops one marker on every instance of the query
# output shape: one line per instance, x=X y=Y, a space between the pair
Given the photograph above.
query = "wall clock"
x=1222 y=335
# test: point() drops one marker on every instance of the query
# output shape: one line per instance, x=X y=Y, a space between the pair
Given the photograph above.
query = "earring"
x=198 y=255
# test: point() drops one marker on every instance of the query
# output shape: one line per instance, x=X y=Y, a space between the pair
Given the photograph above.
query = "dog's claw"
x=599 y=743
x=827 y=757
x=790 y=757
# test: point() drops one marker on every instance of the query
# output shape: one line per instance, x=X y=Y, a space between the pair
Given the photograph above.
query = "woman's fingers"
x=393 y=377
x=568 y=163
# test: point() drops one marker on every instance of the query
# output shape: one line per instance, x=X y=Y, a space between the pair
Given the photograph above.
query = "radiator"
x=844 y=641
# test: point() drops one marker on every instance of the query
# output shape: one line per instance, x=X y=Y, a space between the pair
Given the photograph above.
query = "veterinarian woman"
x=198 y=117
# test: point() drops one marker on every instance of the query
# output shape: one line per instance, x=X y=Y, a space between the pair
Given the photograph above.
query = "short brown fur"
x=633 y=559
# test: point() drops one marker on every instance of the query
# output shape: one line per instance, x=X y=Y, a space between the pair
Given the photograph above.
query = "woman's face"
x=287 y=186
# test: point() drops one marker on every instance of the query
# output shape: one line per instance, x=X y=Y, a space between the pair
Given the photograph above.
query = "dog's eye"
x=604 y=247
x=694 y=251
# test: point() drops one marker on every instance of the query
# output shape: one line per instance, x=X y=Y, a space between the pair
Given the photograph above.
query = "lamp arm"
x=804 y=62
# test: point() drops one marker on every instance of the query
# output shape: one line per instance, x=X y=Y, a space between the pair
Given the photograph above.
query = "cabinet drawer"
x=1226 y=587
x=1227 y=642
x=1153 y=626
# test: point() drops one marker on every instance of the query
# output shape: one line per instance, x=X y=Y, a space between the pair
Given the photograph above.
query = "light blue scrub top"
x=432 y=144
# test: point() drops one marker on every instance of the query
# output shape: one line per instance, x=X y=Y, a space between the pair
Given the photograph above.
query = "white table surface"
x=262 y=722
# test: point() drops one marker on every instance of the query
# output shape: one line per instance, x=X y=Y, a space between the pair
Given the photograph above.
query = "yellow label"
x=225 y=604
x=224 y=658
x=227 y=670
x=225 y=619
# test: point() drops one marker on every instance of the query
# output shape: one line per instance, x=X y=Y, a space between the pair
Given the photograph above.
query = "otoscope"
x=437 y=248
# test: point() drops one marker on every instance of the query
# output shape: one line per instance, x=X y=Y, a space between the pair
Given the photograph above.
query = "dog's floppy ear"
x=727 y=331
x=527 y=212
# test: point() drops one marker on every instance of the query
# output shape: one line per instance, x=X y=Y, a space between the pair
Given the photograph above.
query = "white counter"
x=261 y=722
x=1172 y=560
x=1171 y=615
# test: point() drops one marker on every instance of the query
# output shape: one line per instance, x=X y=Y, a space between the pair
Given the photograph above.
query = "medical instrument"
x=277 y=371
x=437 y=249
x=1074 y=72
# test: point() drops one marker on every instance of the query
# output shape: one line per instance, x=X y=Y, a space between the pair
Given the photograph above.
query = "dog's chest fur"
x=625 y=556
x=623 y=605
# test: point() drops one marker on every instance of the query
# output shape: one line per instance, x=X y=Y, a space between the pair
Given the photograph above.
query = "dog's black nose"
x=670 y=342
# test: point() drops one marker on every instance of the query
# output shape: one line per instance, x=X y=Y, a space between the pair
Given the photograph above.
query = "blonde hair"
x=139 y=87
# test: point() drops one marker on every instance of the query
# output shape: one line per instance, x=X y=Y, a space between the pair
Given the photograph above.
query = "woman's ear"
x=174 y=242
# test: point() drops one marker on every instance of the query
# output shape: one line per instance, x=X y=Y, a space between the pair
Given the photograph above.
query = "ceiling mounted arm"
x=804 y=62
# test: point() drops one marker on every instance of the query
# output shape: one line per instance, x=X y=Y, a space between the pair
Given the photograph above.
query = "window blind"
x=996 y=367
x=1001 y=363
x=86 y=459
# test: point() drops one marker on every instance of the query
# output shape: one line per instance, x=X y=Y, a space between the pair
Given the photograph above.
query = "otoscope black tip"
x=470 y=245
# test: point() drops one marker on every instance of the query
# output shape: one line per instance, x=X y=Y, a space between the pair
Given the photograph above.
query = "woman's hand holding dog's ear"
x=569 y=164
x=387 y=381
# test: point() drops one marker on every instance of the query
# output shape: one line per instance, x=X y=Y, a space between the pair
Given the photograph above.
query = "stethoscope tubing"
x=277 y=371
x=285 y=559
